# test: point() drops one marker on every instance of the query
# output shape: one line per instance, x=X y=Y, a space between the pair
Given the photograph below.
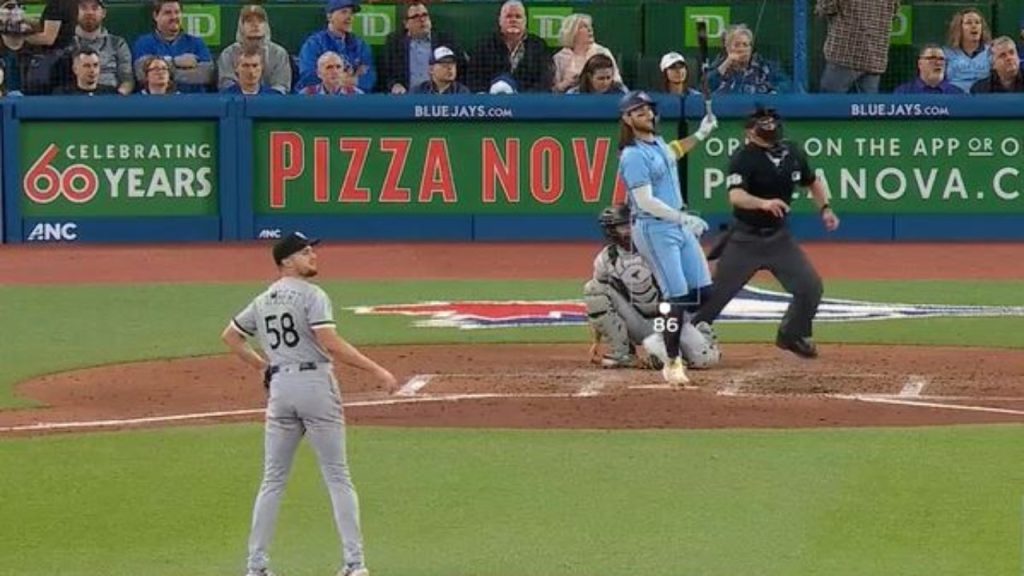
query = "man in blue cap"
x=665 y=234
x=337 y=37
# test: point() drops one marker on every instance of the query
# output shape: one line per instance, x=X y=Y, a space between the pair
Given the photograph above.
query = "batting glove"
x=695 y=224
x=708 y=125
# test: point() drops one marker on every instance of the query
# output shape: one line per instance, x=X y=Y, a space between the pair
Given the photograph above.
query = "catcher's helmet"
x=610 y=219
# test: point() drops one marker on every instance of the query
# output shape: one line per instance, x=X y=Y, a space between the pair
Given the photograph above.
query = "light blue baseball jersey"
x=651 y=163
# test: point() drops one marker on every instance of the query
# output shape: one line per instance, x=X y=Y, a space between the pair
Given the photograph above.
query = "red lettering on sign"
x=399 y=149
x=506 y=171
x=321 y=169
x=591 y=171
x=42 y=181
x=350 y=190
x=619 y=196
x=287 y=162
x=546 y=178
x=80 y=183
x=437 y=173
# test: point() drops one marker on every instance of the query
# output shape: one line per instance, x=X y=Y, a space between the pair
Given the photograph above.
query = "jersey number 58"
x=286 y=334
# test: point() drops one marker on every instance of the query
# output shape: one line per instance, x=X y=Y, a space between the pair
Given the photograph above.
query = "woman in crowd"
x=675 y=75
x=578 y=46
x=598 y=77
x=967 y=49
x=157 y=80
x=742 y=71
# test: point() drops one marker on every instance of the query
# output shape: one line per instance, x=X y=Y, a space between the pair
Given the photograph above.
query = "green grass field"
x=932 y=501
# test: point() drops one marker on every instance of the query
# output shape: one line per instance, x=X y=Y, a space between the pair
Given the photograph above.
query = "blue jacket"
x=917 y=86
x=153 y=45
x=353 y=49
x=264 y=91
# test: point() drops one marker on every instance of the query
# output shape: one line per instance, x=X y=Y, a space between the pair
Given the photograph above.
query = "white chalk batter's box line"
x=589 y=389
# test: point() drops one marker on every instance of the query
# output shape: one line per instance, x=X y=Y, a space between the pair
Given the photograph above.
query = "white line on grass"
x=914 y=385
x=415 y=384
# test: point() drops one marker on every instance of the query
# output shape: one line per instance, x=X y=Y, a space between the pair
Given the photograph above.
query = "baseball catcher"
x=622 y=302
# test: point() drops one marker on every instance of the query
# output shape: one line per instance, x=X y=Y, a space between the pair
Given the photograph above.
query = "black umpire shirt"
x=767 y=173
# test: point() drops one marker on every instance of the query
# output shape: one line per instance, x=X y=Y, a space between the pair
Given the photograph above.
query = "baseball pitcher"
x=622 y=304
x=294 y=324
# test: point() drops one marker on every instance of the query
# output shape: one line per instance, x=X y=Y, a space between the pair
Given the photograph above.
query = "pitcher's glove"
x=268 y=373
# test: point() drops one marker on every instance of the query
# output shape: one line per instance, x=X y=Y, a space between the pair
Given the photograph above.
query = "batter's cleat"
x=259 y=572
x=354 y=571
x=801 y=346
x=627 y=361
x=675 y=373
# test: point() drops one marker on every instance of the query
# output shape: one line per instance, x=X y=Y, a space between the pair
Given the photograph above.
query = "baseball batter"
x=622 y=302
x=666 y=235
x=294 y=324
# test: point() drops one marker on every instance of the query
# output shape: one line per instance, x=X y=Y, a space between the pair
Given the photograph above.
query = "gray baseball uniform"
x=622 y=301
x=304 y=400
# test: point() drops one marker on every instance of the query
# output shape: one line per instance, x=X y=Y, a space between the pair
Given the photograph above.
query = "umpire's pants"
x=748 y=250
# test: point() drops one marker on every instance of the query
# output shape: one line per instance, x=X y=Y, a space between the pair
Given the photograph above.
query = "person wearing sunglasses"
x=931 y=74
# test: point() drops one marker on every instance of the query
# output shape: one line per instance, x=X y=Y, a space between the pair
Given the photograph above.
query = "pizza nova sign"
x=314 y=169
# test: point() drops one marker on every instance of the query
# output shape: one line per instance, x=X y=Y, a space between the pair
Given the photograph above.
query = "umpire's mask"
x=767 y=125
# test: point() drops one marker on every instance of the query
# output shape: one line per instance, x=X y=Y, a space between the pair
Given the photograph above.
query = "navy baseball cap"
x=634 y=100
x=333 y=5
x=291 y=244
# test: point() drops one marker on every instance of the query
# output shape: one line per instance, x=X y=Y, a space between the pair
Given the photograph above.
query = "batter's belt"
x=293 y=368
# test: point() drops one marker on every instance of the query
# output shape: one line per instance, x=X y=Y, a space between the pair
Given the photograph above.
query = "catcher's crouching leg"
x=607 y=324
x=698 y=345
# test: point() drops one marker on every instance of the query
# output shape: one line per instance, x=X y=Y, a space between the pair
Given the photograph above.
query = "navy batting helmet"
x=610 y=219
x=634 y=100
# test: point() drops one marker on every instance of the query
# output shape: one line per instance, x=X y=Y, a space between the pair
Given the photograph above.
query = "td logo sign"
x=374 y=23
x=902 y=33
x=202 y=20
x=546 y=22
x=717 y=18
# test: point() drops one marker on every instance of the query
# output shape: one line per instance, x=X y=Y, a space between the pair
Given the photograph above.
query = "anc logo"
x=750 y=305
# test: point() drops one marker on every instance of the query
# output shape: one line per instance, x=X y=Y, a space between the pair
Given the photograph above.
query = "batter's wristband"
x=826 y=206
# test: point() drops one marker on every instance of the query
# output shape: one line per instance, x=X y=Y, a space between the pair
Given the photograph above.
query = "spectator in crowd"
x=337 y=77
x=405 y=61
x=968 y=58
x=931 y=74
x=1006 y=75
x=741 y=71
x=157 y=79
x=857 y=43
x=338 y=38
x=248 y=67
x=115 y=56
x=443 y=74
x=503 y=84
x=190 y=59
x=44 y=57
x=514 y=51
x=254 y=27
x=85 y=64
x=675 y=74
x=578 y=46
x=598 y=77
